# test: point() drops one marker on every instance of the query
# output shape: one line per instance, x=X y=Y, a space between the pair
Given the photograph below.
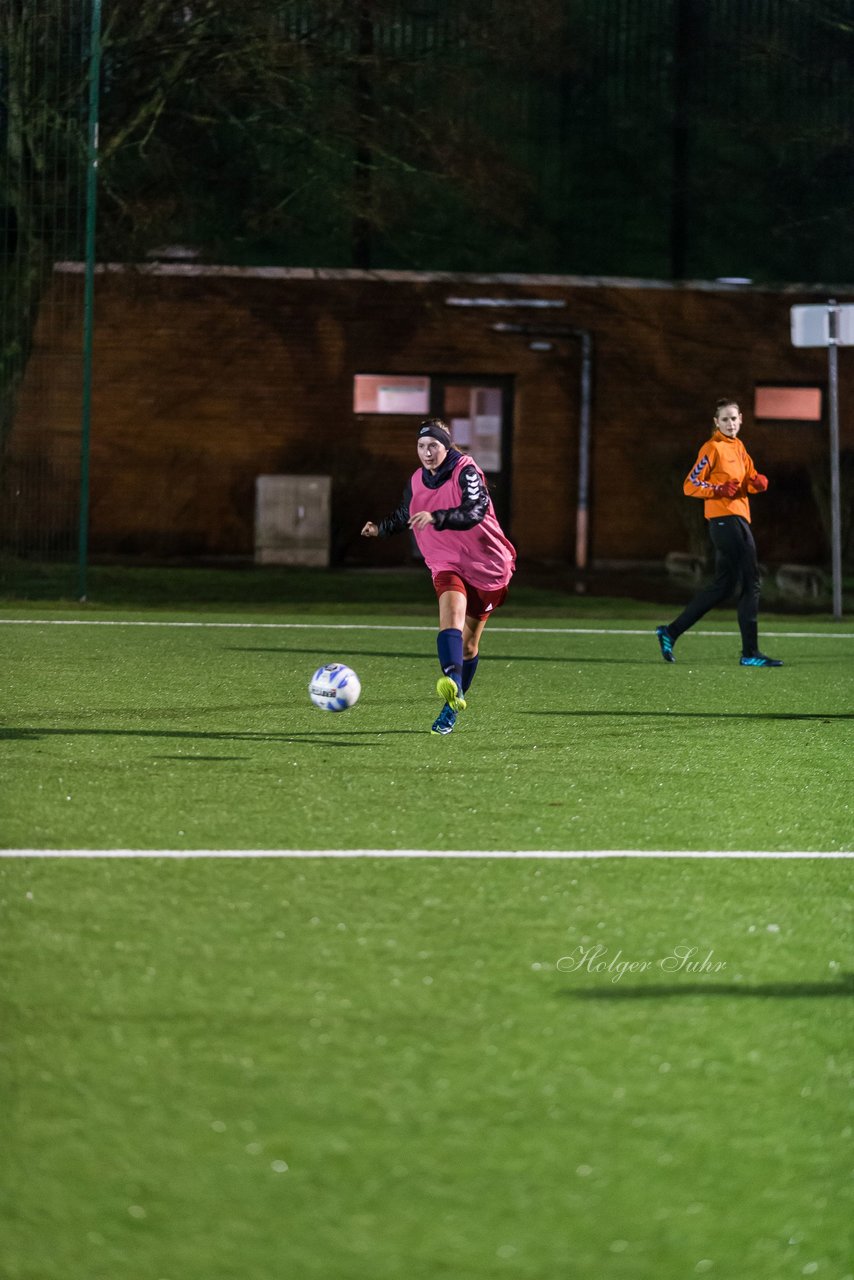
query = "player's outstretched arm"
x=389 y=525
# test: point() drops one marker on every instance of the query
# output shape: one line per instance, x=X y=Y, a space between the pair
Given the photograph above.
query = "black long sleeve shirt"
x=472 y=509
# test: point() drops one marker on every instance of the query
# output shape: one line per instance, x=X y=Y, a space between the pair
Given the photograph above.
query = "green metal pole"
x=89 y=287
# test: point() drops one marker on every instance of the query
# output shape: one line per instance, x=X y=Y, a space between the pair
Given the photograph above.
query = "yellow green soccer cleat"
x=448 y=692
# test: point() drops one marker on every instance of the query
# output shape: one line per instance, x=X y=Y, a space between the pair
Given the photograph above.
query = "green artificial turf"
x=338 y=1069
x=367 y=1070
x=577 y=736
x=555 y=589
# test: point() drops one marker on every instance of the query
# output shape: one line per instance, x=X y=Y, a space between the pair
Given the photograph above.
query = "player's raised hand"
x=370 y=530
x=728 y=489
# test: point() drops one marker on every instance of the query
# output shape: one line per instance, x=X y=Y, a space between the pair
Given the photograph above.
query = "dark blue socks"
x=449 y=644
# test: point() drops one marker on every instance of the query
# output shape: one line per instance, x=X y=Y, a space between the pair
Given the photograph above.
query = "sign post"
x=830 y=326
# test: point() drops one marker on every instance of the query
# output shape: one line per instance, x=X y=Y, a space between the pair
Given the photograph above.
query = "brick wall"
x=204 y=380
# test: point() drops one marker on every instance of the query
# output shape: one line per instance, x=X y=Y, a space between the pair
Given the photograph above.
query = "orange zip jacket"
x=722 y=459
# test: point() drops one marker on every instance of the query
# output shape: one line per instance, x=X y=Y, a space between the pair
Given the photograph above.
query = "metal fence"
x=44 y=96
x=658 y=138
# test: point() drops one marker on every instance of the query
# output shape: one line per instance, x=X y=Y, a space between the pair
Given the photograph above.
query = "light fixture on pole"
x=541 y=304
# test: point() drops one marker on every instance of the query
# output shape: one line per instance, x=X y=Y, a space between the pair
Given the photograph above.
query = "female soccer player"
x=723 y=476
x=448 y=508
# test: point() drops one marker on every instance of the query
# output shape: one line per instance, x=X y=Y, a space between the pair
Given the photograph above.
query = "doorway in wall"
x=480 y=413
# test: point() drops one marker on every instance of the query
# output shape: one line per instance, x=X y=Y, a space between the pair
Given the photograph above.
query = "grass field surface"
x=367 y=1068
x=195 y=731
x=430 y=1068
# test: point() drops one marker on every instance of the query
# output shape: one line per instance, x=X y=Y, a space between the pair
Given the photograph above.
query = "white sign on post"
x=811 y=326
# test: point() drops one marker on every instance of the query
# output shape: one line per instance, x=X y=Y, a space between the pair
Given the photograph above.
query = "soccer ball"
x=334 y=687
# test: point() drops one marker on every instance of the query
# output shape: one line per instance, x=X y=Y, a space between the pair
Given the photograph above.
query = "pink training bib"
x=483 y=556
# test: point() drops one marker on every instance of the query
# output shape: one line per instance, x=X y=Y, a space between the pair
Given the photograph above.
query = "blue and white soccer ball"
x=334 y=687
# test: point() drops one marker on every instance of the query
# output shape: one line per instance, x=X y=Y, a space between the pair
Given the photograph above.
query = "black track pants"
x=736 y=572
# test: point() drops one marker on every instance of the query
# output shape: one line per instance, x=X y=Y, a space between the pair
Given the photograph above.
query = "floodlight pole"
x=835 y=496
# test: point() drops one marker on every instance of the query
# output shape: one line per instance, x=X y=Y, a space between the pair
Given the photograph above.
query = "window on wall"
x=781 y=403
x=478 y=409
x=391 y=393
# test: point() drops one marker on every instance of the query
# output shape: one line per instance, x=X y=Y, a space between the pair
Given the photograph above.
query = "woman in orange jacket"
x=723 y=476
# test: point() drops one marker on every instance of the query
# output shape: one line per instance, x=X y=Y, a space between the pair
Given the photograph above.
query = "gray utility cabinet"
x=292 y=520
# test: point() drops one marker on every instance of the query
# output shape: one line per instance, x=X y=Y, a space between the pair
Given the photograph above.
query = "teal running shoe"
x=759 y=660
x=445 y=721
x=665 y=644
x=449 y=692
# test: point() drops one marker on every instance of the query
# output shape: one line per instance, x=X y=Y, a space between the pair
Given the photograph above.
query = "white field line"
x=375 y=626
x=521 y=854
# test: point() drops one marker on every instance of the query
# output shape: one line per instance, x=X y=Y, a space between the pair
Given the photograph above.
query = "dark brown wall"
x=204 y=381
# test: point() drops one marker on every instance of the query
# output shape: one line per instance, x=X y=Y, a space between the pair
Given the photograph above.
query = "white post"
x=829 y=325
x=835 y=505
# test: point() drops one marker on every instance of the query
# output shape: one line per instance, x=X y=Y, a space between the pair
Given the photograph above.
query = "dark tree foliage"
x=42 y=142
x=687 y=138
x=305 y=132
